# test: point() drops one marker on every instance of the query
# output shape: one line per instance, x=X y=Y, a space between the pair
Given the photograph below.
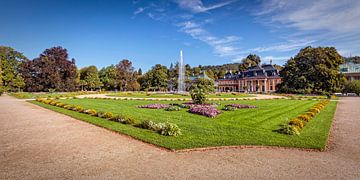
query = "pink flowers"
x=191 y=104
x=154 y=106
x=241 y=106
x=208 y=111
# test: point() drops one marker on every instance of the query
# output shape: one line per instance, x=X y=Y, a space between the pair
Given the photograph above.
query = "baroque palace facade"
x=262 y=78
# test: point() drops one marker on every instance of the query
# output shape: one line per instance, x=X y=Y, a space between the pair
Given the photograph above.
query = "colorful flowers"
x=208 y=111
x=154 y=106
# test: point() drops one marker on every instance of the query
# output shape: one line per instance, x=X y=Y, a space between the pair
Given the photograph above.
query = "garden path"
x=36 y=143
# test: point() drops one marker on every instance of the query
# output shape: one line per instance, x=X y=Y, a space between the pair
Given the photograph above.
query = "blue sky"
x=103 y=32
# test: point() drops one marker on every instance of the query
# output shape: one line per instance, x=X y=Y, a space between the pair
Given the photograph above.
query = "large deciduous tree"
x=155 y=79
x=313 y=70
x=52 y=70
x=10 y=75
x=108 y=76
x=89 y=78
x=127 y=76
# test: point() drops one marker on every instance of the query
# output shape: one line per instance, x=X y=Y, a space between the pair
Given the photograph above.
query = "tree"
x=139 y=72
x=10 y=63
x=108 y=76
x=51 y=70
x=199 y=89
x=313 y=70
x=250 y=60
x=155 y=79
x=126 y=75
x=352 y=87
x=90 y=78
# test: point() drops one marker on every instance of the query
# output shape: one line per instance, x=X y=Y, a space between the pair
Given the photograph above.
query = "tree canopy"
x=89 y=78
x=313 y=70
x=155 y=79
x=51 y=70
x=10 y=62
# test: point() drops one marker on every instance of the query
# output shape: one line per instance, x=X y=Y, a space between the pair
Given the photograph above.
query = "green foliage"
x=108 y=115
x=108 y=77
x=313 y=70
x=126 y=76
x=199 y=89
x=129 y=120
x=170 y=129
x=229 y=108
x=166 y=129
x=91 y=112
x=289 y=129
x=89 y=78
x=352 y=87
x=297 y=122
x=173 y=108
x=155 y=79
x=10 y=75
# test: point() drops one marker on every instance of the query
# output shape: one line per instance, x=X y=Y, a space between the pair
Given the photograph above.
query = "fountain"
x=181 y=80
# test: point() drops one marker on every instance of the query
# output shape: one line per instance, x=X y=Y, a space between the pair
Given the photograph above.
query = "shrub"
x=310 y=114
x=108 y=115
x=91 y=112
x=304 y=117
x=314 y=110
x=170 y=129
x=100 y=114
x=78 y=108
x=172 y=108
x=154 y=106
x=289 y=129
x=228 y=108
x=69 y=107
x=129 y=120
x=147 y=124
x=60 y=104
x=297 y=122
x=167 y=129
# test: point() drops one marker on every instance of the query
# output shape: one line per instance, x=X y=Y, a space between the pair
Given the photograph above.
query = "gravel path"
x=36 y=143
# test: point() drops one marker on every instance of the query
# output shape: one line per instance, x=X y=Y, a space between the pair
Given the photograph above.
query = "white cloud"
x=139 y=10
x=321 y=19
x=284 y=47
x=197 y=6
x=223 y=46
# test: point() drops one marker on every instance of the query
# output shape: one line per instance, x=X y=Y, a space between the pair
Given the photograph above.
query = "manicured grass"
x=240 y=127
x=167 y=95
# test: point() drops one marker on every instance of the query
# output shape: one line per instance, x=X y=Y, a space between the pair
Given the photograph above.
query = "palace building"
x=262 y=78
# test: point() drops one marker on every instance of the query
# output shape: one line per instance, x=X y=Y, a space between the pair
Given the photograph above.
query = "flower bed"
x=155 y=106
x=297 y=124
x=166 y=129
x=208 y=111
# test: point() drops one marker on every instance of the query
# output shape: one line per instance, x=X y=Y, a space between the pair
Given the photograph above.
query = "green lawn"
x=240 y=127
x=167 y=95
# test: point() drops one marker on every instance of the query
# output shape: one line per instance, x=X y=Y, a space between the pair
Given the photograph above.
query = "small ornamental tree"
x=199 y=89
